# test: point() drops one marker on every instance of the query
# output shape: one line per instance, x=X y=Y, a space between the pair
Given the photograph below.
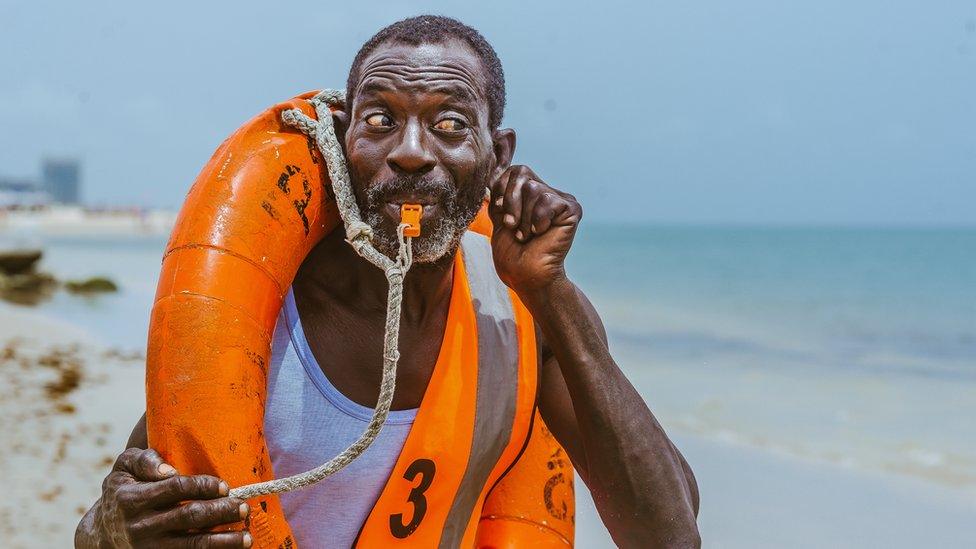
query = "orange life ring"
x=249 y=220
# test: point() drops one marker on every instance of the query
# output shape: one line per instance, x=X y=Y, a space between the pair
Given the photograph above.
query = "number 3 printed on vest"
x=424 y=468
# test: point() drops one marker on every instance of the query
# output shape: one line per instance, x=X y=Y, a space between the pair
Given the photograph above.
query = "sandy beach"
x=67 y=405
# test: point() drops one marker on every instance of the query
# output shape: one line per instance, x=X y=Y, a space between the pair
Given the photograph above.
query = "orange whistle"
x=411 y=214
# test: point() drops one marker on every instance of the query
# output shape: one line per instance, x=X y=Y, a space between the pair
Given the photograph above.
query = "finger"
x=163 y=494
x=558 y=211
x=497 y=197
x=199 y=515
x=532 y=191
x=512 y=205
x=497 y=186
x=543 y=213
x=144 y=465
x=220 y=540
x=571 y=214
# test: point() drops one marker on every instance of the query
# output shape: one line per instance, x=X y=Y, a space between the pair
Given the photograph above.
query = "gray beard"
x=439 y=238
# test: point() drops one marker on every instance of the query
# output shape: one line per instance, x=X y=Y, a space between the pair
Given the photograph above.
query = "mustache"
x=439 y=189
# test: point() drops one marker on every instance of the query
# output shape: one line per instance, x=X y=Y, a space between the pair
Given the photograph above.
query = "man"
x=425 y=99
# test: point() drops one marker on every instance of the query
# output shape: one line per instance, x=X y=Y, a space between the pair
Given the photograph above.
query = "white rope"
x=358 y=234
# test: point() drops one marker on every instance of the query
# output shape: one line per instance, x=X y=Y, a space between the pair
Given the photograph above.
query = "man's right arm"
x=145 y=502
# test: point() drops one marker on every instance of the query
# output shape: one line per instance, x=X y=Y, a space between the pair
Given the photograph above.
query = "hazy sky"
x=709 y=111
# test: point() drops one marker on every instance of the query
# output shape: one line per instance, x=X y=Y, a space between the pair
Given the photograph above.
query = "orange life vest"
x=469 y=474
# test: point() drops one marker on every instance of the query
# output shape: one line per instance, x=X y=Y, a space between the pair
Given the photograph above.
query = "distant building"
x=60 y=179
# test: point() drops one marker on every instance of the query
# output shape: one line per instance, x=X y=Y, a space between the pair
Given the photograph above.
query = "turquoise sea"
x=854 y=347
x=835 y=297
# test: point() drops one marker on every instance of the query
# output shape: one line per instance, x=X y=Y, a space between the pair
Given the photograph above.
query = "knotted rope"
x=358 y=234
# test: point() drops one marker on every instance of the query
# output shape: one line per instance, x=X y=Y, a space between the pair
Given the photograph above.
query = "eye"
x=379 y=120
x=450 y=125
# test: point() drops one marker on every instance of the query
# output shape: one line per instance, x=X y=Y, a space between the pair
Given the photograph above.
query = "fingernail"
x=247 y=539
x=223 y=489
x=244 y=510
x=166 y=470
x=534 y=230
x=519 y=235
x=498 y=201
x=509 y=220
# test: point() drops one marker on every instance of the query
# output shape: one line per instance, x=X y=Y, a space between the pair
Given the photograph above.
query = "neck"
x=334 y=271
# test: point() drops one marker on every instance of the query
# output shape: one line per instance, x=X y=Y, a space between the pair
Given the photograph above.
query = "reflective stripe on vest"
x=497 y=380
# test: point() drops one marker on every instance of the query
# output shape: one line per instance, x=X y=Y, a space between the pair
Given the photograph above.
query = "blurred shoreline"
x=78 y=220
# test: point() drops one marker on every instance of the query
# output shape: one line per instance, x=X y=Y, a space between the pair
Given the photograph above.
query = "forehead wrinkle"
x=421 y=73
x=398 y=60
x=407 y=65
x=416 y=75
x=395 y=66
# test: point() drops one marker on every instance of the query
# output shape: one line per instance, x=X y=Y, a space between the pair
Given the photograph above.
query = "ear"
x=503 y=142
x=341 y=123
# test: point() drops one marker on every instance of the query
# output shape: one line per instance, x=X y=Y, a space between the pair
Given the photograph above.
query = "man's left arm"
x=641 y=485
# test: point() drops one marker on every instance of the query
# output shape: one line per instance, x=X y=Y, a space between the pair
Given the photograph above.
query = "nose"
x=411 y=155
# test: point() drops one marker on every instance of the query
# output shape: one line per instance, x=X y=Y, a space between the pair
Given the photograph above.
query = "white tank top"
x=307 y=421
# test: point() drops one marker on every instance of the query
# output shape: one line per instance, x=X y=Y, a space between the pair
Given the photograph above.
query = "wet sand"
x=67 y=407
x=752 y=498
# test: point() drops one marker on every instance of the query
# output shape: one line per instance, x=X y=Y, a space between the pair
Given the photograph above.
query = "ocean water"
x=855 y=346
x=837 y=296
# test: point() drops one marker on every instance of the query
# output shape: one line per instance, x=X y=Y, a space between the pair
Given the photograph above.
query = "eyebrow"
x=453 y=90
x=375 y=86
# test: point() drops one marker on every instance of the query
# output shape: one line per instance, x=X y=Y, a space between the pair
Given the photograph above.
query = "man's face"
x=418 y=133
